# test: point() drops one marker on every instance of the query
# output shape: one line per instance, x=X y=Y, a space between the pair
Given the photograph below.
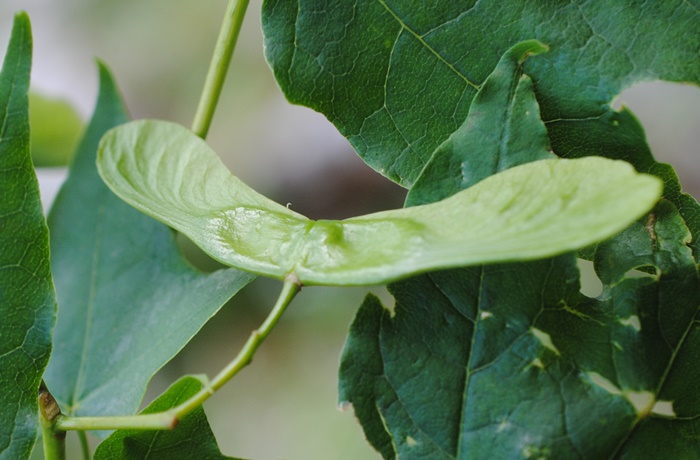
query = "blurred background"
x=284 y=405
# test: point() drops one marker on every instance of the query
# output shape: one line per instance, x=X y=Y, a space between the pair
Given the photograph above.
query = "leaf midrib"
x=468 y=370
x=22 y=51
x=659 y=387
x=80 y=378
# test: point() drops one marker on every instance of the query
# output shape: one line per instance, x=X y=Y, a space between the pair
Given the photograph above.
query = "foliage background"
x=284 y=405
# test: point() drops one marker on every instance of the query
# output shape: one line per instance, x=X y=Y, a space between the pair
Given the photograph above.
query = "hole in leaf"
x=642 y=401
x=603 y=383
x=544 y=339
x=411 y=442
x=663 y=408
x=640 y=273
x=631 y=321
x=591 y=286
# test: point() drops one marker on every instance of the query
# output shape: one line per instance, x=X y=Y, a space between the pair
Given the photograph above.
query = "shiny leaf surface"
x=397 y=77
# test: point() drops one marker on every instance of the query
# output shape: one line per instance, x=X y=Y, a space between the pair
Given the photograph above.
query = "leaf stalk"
x=54 y=438
x=84 y=445
x=225 y=44
x=245 y=356
x=169 y=419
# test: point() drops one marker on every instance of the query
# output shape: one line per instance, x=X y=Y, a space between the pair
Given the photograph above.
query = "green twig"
x=160 y=421
x=245 y=356
x=84 y=445
x=170 y=418
x=53 y=437
x=225 y=44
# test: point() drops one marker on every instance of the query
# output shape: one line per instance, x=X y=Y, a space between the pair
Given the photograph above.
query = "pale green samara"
x=532 y=211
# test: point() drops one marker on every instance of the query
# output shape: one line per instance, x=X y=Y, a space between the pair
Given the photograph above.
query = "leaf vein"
x=80 y=378
x=427 y=45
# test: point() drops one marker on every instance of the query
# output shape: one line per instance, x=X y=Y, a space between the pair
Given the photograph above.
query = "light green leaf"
x=27 y=302
x=512 y=361
x=128 y=300
x=56 y=129
x=397 y=77
x=191 y=439
x=529 y=212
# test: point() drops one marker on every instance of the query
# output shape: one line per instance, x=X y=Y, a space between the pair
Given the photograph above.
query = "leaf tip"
x=526 y=48
x=22 y=16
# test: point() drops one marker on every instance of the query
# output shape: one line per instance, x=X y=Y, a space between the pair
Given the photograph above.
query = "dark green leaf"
x=191 y=439
x=512 y=361
x=618 y=135
x=468 y=368
x=396 y=77
x=503 y=129
x=27 y=302
x=128 y=300
x=169 y=173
